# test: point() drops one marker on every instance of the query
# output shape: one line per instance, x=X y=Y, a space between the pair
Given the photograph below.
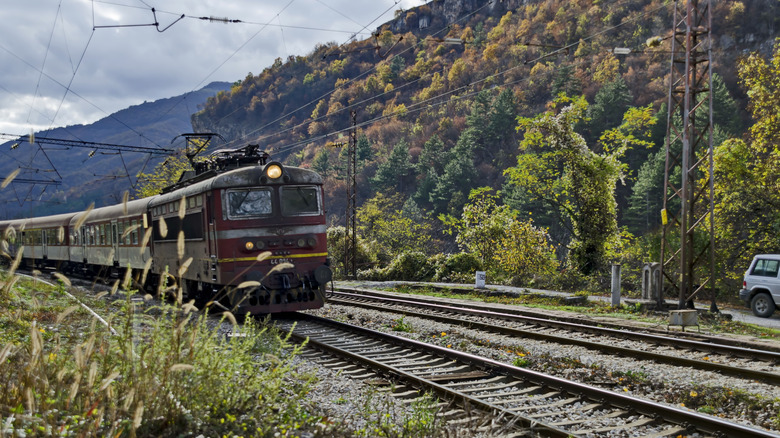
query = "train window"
x=135 y=232
x=198 y=201
x=300 y=201
x=191 y=203
x=253 y=202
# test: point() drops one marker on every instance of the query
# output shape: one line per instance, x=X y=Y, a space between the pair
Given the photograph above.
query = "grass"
x=165 y=372
x=159 y=376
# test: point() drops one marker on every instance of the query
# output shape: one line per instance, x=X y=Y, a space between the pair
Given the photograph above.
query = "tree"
x=321 y=162
x=504 y=244
x=394 y=226
x=393 y=173
x=565 y=82
x=164 y=174
x=609 y=105
x=725 y=112
x=747 y=172
x=556 y=167
x=458 y=177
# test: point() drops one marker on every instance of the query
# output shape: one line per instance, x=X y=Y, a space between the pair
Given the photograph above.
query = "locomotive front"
x=269 y=232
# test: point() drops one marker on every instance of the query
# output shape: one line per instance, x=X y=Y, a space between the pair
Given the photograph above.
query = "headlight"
x=312 y=242
x=301 y=242
x=260 y=244
x=249 y=246
x=274 y=171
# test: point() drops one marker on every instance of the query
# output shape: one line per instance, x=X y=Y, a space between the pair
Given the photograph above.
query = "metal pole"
x=689 y=207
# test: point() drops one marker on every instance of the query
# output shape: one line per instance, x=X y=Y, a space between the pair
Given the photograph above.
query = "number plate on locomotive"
x=280 y=261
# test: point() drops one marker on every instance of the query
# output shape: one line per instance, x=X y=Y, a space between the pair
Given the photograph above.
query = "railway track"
x=526 y=402
x=702 y=354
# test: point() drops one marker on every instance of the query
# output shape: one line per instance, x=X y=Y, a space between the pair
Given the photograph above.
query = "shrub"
x=458 y=267
x=409 y=266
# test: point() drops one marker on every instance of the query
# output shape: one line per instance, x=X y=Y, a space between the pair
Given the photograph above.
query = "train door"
x=44 y=245
x=84 y=240
x=211 y=235
x=115 y=243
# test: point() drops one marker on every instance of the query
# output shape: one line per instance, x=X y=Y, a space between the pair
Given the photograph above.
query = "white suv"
x=761 y=286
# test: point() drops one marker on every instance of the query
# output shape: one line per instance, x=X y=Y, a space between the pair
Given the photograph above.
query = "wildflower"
x=443 y=334
x=694 y=393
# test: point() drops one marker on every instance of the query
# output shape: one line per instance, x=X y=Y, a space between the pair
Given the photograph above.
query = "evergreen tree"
x=459 y=175
x=320 y=163
x=565 y=82
x=503 y=117
x=394 y=173
x=725 y=113
x=609 y=105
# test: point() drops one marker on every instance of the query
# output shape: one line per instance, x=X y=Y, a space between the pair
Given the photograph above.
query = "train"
x=238 y=231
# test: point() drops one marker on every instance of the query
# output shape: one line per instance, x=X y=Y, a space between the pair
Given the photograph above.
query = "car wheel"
x=762 y=305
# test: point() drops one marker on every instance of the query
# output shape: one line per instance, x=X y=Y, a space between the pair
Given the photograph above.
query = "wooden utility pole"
x=688 y=246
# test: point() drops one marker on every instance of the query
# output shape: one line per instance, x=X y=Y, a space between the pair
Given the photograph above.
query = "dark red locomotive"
x=240 y=232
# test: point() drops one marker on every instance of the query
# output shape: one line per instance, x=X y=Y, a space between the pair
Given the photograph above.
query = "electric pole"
x=688 y=244
x=350 y=235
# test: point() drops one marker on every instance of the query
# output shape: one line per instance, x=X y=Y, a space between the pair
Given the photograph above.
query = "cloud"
x=108 y=69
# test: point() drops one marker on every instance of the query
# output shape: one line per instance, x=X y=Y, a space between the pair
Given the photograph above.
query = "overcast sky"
x=47 y=46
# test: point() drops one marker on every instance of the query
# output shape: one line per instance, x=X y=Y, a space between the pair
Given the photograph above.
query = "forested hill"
x=98 y=176
x=437 y=90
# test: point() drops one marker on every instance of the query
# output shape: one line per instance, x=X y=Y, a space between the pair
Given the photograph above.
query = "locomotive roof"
x=242 y=177
x=134 y=208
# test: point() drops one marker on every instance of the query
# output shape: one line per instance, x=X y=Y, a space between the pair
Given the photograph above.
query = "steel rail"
x=744 y=373
x=720 y=345
x=662 y=414
x=441 y=390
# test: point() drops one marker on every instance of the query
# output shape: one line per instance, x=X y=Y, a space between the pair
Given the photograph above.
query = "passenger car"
x=761 y=285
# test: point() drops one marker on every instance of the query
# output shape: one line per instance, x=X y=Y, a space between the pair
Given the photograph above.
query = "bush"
x=458 y=268
x=336 y=238
x=407 y=266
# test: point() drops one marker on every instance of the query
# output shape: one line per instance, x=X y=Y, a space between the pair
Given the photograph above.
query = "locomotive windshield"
x=300 y=201
x=254 y=202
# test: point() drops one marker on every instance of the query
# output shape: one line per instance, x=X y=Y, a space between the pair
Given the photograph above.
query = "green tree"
x=481 y=225
x=164 y=174
x=725 y=112
x=458 y=177
x=396 y=171
x=566 y=82
x=321 y=162
x=394 y=226
x=609 y=105
x=747 y=172
x=507 y=246
x=556 y=167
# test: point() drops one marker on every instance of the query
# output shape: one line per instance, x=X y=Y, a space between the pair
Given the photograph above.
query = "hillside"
x=454 y=67
x=102 y=177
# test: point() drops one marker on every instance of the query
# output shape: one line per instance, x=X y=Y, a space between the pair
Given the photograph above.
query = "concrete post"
x=616 y=285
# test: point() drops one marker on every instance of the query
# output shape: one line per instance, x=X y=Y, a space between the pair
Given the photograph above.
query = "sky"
x=66 y=62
